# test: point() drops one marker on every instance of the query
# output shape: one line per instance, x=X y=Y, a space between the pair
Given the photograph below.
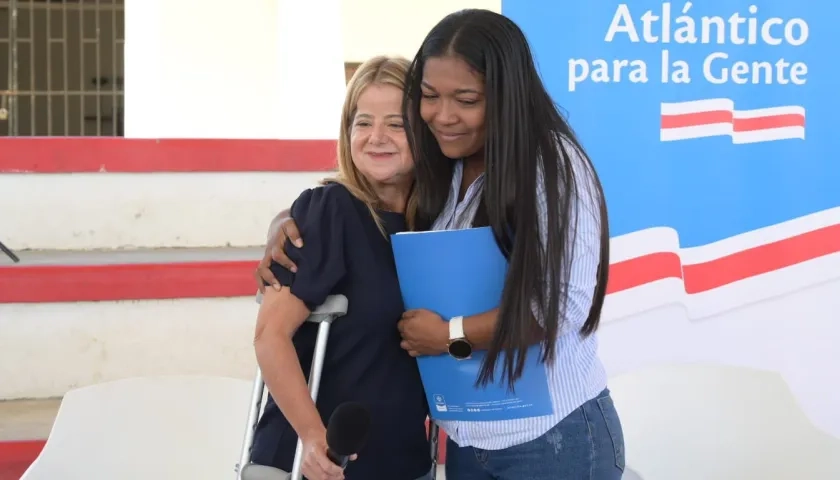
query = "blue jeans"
x=586 y=445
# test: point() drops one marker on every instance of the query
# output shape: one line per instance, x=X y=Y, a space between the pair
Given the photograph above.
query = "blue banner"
x=712 y=127
x=697 y=114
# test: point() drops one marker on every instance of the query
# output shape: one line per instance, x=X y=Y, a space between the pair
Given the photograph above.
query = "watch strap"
x=456 y=328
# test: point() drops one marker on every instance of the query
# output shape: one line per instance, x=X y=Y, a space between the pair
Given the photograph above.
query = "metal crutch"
x=434 y=431
x=9 y=253
x=335 y=306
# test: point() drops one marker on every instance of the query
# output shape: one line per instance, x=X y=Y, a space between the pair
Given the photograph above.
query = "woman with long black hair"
x=491 y=149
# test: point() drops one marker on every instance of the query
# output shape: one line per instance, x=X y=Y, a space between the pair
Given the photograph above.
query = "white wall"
x=375 y=27
x=203 y=69
x=247 y=72
x=226 y=56
x=67 y=212
x=70 y=345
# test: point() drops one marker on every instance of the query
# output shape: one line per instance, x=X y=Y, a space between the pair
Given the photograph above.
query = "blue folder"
x=462 y=272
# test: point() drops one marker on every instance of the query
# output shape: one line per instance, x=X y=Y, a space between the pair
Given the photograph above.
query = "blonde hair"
x=379 y=70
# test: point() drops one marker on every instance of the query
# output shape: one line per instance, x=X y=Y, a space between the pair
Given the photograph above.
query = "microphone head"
x=348 y=428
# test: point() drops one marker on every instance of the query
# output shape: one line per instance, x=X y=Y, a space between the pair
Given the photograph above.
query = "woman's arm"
x=424 y=332
x=321 y=266
x=282 y=228
x=584 y=243
x=479 y=329
x=280 y=315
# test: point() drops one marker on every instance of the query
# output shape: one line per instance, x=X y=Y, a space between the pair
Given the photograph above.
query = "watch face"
x=460 y=349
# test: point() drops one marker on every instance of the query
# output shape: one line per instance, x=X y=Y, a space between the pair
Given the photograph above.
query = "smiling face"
x=453 y=105
x=378 y=143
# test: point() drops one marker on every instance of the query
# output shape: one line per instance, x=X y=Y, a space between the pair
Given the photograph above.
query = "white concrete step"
x=89 y=211
x=27 y=420
x=131 y=256
x=48 y=348
x=190 y=311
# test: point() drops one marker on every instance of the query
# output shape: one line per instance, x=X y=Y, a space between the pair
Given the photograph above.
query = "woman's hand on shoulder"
x=314 y=207
x=286 y=228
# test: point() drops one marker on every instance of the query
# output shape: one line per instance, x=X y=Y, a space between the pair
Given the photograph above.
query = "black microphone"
x=347 y=432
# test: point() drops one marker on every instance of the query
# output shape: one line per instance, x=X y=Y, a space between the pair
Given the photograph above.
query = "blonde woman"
x=347 y=222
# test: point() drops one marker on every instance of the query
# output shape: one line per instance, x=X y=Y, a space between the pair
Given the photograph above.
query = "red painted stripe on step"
x=139 y=281
x=17 y=456
x=134 y=155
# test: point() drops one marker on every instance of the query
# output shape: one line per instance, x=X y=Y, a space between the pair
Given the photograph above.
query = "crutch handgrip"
x=253 y=471
x=335 y=306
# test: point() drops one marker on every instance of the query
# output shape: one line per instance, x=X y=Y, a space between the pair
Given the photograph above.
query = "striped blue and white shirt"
x=577 y=374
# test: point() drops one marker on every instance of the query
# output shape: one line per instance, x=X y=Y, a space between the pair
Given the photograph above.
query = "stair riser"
x=69 y=345
x=108 y=211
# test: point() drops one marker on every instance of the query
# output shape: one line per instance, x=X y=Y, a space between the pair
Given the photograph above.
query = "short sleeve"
x=319 y=214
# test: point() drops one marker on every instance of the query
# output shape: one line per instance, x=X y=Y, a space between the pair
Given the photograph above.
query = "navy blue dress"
x=345 y=253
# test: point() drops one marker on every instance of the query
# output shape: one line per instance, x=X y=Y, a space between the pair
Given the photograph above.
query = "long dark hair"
x=525 y=133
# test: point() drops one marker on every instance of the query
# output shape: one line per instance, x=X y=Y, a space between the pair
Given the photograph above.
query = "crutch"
x=434 y=431
x=9 y=253
x=335 y=306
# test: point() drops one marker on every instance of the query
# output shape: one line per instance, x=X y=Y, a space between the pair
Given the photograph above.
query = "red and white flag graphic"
x=717 y=117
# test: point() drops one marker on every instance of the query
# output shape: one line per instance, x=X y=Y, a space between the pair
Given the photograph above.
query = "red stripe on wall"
x=15 y=457
x=754 y=261
x=140 y=281
x=122 y=155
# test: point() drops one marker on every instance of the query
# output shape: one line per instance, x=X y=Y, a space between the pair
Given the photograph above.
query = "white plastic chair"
x=629 y=474
x=699 y=422
x=178 y=427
